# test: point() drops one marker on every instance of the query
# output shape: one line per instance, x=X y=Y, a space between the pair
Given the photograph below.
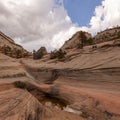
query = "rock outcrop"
x=88 y=79
x=107 y=35
x=24 y=99
x=85 y=86
x=78 y=40
x=10 y=48
x=40 y=53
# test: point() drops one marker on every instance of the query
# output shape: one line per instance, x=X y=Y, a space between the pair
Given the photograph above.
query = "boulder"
x=78 y=40
x=40 y=53
x=10 y=48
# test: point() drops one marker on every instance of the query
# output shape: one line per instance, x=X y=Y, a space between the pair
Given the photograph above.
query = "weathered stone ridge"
x=108 y=35
x=10 y=48
x=76 y=41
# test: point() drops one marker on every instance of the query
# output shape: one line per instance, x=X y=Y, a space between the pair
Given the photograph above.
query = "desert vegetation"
x=57 y=54
x=118 y=34
x=13 y=52
x=40 y=53
x=36 y=55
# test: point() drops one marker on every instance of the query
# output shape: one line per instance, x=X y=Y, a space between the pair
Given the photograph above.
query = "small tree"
x=34 y=53
x=90 y=41
x=60 y=54
x=118 y=34
x=83 y=39
x=57 y=54
x=6 y=50
x=37 y=55
x=18 y=54
x=53 y=55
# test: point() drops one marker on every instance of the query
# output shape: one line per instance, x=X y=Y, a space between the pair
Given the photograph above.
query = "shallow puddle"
x=59 y=104
x=54 y=102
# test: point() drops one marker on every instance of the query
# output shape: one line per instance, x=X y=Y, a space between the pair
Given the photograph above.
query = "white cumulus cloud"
x=107 y=15
x=33 y=23
x=36 y=23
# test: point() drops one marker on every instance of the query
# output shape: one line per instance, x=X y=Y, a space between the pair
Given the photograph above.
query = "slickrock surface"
x=20 y=103
x=88 y=79
x=10 y=67
x=85 y=85
x=10 y=48
x=16 y=104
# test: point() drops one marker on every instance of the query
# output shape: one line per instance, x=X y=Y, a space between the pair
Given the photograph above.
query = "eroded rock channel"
x=49 y=99
x=84 y=85
x=74 y=91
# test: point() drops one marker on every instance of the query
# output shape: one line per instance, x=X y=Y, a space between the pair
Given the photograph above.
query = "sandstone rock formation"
x=10 y=48
x=88 y=79
x=108 y=35
x=78 y=40
x=25 y=103
x=40 y=53
x=85 y=86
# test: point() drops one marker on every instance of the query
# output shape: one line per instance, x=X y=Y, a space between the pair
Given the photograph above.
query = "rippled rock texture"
x=85 y=86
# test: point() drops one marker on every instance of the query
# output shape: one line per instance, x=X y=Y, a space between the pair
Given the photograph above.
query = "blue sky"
x=36 y=23
x=81 y=11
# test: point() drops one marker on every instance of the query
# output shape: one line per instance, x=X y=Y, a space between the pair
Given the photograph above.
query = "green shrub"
x=84 y=40
x=53 y=55
x=90 y=41
x=60 y=54
x=57 y=54
x=25 y=85
x=18 y=53
x=118 y=35
x=37 y=55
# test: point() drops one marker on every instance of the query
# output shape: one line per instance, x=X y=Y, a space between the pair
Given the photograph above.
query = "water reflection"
x=54 y=103
x=64 y=108
x=58 y=104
